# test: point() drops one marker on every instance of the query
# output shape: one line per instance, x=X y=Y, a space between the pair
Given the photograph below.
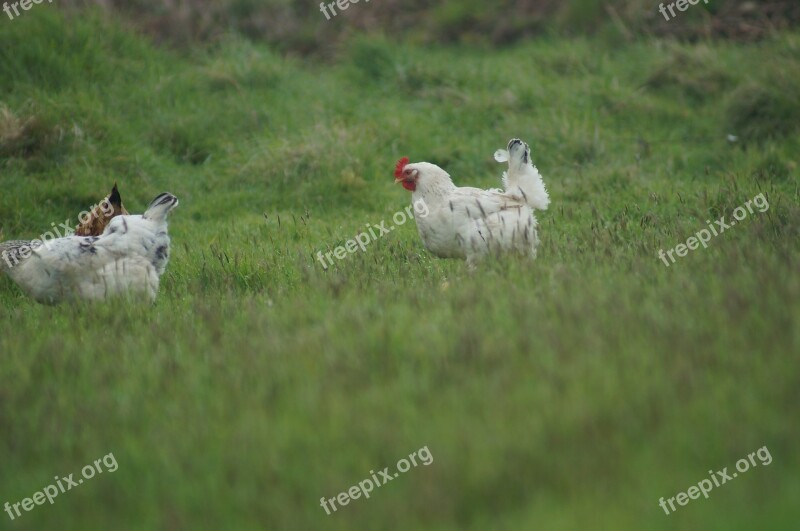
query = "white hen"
x=470 y=222
x=128 y=258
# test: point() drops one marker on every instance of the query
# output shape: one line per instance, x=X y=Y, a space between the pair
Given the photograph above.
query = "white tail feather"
x=522 y=178
x=527 y=183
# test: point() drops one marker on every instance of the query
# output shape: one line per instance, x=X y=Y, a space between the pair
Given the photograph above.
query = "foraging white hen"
x=128 y=258
x=471 y=223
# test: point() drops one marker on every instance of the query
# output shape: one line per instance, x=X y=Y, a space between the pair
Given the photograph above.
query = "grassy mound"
x=569 y=393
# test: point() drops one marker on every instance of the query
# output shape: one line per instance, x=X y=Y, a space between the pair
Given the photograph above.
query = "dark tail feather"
x=115 y=199
x=161 y=206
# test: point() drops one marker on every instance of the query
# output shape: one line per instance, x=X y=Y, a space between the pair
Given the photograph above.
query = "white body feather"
x=469 y=222
x=127 y=259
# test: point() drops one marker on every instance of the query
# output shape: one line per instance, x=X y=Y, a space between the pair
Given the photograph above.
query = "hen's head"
x=96 y=220
x=422 y=175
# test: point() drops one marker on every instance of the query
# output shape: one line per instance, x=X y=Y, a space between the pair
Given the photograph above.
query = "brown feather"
x=96 y=224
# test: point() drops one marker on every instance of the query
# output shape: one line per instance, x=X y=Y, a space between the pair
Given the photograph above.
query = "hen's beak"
x=408 y=179
x=409 y=182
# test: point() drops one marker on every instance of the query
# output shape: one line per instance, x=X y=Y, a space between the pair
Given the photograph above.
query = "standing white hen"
x=128 y=258
x=470 y=222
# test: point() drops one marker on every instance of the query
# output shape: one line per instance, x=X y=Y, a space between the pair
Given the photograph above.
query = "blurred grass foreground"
x=573 y=392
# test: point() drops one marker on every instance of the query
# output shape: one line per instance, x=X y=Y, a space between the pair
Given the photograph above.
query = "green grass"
x=568 y=393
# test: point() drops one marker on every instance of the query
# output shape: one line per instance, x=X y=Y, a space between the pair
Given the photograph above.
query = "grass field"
x=569 y=393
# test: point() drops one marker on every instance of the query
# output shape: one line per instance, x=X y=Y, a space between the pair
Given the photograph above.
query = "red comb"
x=398 y=170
